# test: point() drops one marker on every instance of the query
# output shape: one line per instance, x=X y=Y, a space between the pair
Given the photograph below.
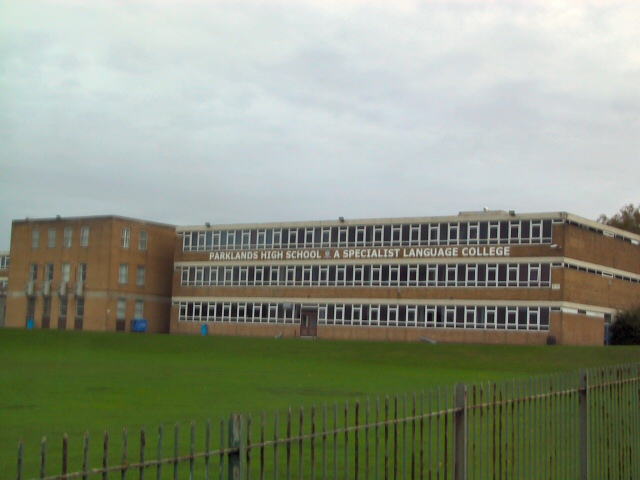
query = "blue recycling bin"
x=139 y=325
x=203 y=329
x=30 y=323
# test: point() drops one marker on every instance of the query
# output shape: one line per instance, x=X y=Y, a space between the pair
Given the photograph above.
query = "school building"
x=477 y=277
x=89 y=273
x=480 y=277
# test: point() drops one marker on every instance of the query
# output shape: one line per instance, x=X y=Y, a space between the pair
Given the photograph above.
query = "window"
x=35 y=238
x=63 y=306
x=142 y=242
x=68 y=235
x=125 y=239
x=139 y=313
x=123 y=273
x=79 y=307
x=84 y=236
x=46 y=312
x=33 y=272
x=51 y=238
x=82 y=272
x=140 y=276
x=48 y=272
x=31 y=307
x=122 y=309
x=66 y=272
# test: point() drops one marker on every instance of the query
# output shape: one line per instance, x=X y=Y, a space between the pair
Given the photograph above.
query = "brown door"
x=309 y=323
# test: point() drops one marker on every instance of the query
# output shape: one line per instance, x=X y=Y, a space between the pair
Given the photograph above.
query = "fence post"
x=460 y=440
x=236 y=456
x=20 y=458
x=584 y=425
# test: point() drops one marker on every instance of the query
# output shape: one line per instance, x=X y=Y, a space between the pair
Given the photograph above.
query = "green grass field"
x=53 y=382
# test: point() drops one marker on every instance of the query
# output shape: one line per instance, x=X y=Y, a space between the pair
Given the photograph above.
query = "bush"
x=625 y=329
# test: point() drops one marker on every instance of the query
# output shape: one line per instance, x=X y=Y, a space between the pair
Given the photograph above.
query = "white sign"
x=360 y=253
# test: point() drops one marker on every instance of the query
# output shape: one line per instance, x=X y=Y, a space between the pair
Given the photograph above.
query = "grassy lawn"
x=70 y=382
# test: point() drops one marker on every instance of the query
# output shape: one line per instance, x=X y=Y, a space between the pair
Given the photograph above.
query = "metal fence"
x=578 y=425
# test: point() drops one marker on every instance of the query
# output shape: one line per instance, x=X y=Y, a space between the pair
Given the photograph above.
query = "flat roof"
x=60 y=218
x=481 y=215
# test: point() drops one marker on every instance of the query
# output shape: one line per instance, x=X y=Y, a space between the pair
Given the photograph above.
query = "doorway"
x=309 y=322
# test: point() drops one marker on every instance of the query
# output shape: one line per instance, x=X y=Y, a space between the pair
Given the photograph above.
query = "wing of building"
x=481 y=277
x=89 y=273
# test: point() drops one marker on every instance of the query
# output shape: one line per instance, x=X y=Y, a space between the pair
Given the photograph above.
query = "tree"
x=625 y=329
x=628 y=218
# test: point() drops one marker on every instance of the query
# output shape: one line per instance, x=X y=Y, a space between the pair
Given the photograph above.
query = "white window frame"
x=451 y=271
x=66 y=272
x=258 y=275
x=413 y=275
x=274 y=275
x=396 y=235
x=139 y=309
x=343 y=236
x=48 y=272
x=51 y=238
x=471 y=275
x=323 y=275
x=67 y=238
x=143 y=240
x=35 y=238
x=493 y=233
x=82 y=272
x=84 y=236
x=411 y=315
x=309 y=237
x=141 y=275
x=121 y=309
x=125 y=237
x=213 y=276
x=378 y=235
x=361 y=236
x=453 y=230
x=326 y=237
x=358 y=270
x=80 y=308
x=123 y=274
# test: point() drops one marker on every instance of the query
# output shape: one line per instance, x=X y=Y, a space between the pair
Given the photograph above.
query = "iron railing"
x=580 y=425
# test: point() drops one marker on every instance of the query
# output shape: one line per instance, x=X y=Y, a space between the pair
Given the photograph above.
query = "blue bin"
x=203 y=329
x=139 y=325
x=30 y=323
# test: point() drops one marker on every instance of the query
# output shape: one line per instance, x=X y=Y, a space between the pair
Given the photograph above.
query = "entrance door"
x=309 y=323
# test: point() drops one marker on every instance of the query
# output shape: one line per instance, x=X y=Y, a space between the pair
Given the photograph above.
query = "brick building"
x=4 y=281
x=481 y=277
x=90 y=273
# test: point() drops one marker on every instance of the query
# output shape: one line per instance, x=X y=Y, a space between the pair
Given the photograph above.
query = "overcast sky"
x=247 y=111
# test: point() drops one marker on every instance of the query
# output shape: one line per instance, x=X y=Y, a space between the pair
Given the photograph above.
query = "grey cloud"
x=263 y=112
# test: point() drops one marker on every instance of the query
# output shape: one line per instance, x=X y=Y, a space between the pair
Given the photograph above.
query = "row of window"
x=67 y=239
x=434 y=316
x=617 y=276
x=406 y=234
x=65 y=272
x=123 y=274
x=121 y=311
x=63 y=308
x=417 y=275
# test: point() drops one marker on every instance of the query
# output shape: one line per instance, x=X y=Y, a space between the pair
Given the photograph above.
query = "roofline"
x=91 y=217
x=484 y=215
x=481 y=215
